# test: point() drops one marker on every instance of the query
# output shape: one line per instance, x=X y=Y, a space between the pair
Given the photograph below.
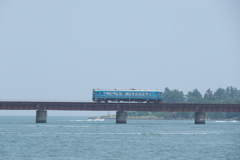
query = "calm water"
x=76 y=138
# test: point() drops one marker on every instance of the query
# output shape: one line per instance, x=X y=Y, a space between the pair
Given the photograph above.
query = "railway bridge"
x=121 y=109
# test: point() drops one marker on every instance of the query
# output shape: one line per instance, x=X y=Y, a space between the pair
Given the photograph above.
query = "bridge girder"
x=91 y=106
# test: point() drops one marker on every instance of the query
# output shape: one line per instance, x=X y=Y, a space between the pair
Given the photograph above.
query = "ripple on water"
x=62 y=138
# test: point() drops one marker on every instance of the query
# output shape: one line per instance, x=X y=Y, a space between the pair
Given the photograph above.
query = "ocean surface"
x=74 y=138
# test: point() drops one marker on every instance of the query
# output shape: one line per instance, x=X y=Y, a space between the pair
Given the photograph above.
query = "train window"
x=107 y=93
x=136 y=93
x=147 y=94
x=133 y=93
x=113 y=93
x=116 y=93
x=127 y=93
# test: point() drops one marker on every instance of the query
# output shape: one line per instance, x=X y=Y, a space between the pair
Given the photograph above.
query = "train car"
x=126 y=95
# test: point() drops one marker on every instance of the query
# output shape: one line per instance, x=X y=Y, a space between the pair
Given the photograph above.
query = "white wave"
x=75 y=126
x=78 y=120
x=227 y=121
x=88 y=120
x=95 y=120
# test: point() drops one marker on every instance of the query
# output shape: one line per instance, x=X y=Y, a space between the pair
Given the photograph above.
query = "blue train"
x=127 y=95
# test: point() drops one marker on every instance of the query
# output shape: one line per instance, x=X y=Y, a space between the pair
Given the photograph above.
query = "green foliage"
x=209 y=96
x=173 y=96
x=216 y=115
x=228 y=95
x=194 y=96
x=236 y=100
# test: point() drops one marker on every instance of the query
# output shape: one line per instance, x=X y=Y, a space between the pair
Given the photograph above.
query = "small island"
x=228 y=95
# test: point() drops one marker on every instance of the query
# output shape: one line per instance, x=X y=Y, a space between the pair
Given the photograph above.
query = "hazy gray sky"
x=61 y=50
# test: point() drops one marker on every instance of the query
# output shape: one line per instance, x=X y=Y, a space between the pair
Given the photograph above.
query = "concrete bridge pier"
x=199 y=117
x=121 y=117
x=41 y=116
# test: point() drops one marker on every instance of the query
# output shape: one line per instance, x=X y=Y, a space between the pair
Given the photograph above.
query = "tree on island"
x=228 y=95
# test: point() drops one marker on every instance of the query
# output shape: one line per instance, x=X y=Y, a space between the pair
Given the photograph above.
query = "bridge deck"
x=91 y=106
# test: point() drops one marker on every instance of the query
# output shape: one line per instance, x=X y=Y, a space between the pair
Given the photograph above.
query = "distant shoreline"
x=155 y=118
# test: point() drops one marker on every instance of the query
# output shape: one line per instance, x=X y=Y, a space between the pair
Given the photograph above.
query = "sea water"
x=73 y=138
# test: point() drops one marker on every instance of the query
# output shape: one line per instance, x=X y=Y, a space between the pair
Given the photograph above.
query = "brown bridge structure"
x=121 y=109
